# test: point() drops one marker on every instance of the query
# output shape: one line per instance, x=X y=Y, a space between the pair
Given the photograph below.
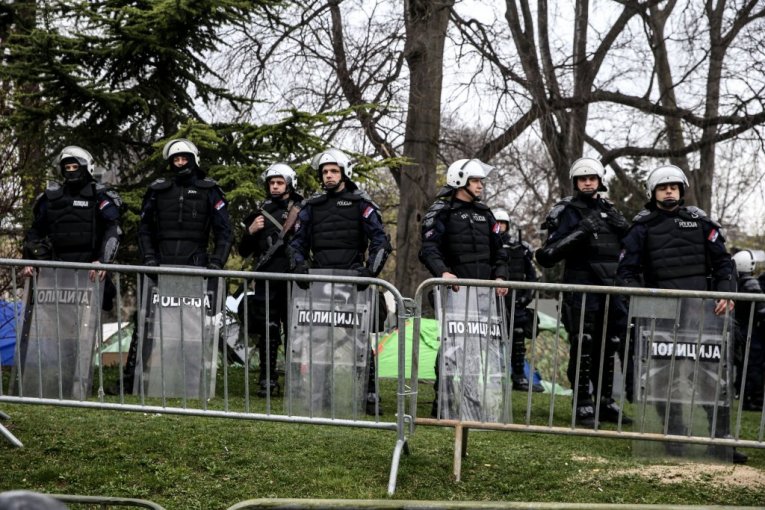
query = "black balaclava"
x=77 y=177
x=186 y=169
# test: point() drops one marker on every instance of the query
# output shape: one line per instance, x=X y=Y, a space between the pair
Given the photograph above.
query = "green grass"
x=212 y=463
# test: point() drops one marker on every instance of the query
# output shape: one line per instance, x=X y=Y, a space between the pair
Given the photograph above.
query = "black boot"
x=609 y=412
x=585 y=414
x=269 y=387
x=373 y=407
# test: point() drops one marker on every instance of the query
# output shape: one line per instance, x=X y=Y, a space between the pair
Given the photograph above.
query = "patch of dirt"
x=725 y=475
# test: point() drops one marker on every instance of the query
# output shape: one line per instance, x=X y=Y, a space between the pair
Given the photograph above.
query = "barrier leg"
x=460 y=449
x=401 y=446
x=7 y=433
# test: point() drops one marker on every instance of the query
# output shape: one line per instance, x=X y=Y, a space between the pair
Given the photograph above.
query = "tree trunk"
x=426 y=22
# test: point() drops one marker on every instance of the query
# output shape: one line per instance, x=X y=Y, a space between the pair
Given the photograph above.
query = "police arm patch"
x=368 y=211
x=220 y=204
x=713 y=234
x=103 y=204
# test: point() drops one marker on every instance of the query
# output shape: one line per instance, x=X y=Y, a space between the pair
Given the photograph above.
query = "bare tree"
x=360 y=69
x=588 y=93
x=641 y=83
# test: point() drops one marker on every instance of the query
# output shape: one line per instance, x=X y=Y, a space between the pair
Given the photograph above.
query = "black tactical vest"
x=516 y=261
x=675 y=250
x=72 y=221
x=278 y=209
x=468 y=240
x=337 y=236
x=750 y=285
x=183 y=219
x=602 y=254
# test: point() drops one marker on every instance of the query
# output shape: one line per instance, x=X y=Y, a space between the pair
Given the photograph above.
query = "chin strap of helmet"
x=586 y=195
x=475 y=198
x=671 y=203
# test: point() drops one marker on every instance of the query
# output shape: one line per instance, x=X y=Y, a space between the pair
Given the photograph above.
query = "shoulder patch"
x=553 y=217
x=53 y=190
x=434 y=210
x=694 y=211
x=38 y=201
x=365 y=196
x=206 y=183
x=160 y=184
x=318 y=198
x=114 y=197
x=641 y=216
x=436 y=207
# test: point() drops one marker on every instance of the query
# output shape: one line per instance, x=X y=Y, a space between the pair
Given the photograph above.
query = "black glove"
x=302 y=268
x=364 y=272
x=150 y=261
x=524 y=300
x=617 y=221
x=591 y=224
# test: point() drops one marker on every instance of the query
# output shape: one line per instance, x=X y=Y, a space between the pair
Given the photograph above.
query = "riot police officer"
x=460 y=236
x=585 y=230
x=673 y=246
x=179 y=213
x=753 y=388
x=77 y=220
x=264 y=239
x=520 y=268
x=340 y=228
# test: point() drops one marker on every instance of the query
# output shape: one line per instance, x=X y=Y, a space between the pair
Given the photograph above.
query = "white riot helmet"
x=460 y=171
x=668 y=174
x=335 y=156
x=745 y=262
x=282 y=170
x=587 y=166
x=75 y=154
x=501 y=215
x=181 y=146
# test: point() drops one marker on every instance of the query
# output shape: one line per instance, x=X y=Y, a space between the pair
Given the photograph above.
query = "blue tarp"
x=8 y=331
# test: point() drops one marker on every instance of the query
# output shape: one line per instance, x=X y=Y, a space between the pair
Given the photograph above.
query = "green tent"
x=387 y=352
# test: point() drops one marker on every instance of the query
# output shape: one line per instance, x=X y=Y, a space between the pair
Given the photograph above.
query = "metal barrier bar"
x=105 y=501
x=717 y=384
x=7 y=433
x=186 y=404
x=377 y=504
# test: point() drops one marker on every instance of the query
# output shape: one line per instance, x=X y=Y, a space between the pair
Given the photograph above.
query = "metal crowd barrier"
x=181 y=326
x=329 y=504
x=74 y=502
x=682 y=353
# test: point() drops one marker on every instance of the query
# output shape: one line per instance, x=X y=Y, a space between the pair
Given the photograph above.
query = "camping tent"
x=8 y=322
x=387 y=350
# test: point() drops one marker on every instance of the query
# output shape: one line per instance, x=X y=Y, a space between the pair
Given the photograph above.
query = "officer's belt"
x=471 y=257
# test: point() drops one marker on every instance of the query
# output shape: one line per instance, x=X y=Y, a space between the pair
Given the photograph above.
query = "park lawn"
x=213 y=463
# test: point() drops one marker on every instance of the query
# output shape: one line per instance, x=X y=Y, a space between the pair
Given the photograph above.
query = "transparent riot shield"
x=329 y=349
x=179 y=340
x=684 y=372
x=61 y=322
x=470 y=368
